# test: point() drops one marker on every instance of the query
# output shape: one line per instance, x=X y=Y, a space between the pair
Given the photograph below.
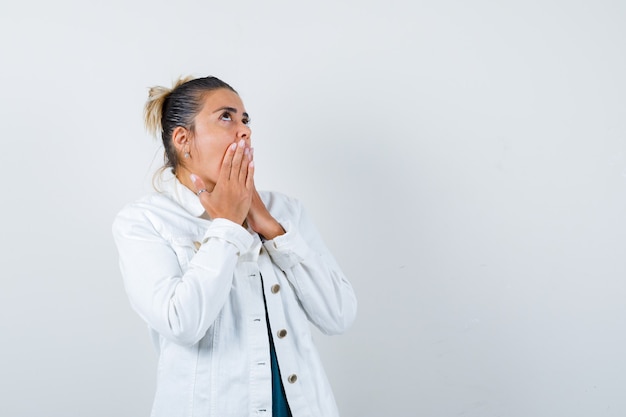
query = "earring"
x=186 y=154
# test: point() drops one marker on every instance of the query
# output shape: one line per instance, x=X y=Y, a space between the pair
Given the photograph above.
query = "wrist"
x=268 y=229
x=274 y=231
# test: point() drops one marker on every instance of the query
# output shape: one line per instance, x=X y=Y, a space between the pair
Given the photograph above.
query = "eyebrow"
x=232 y=110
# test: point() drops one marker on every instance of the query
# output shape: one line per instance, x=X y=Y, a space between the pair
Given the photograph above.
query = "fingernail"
x=251 y=164
x=193 y=177
x=246 y=152
x=242 y=143
x=233 y=146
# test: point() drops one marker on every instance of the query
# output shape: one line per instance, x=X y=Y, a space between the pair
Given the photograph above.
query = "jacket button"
x=292 y=378
x=275 y=288
x=282 y=333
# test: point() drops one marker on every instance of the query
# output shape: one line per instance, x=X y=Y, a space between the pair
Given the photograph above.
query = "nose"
x=244 y=132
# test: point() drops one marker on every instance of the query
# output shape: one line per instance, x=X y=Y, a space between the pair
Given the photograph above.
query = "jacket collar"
x=169 y=185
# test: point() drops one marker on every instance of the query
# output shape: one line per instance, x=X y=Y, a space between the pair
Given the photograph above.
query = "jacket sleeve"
x=323 y=290
x=179 y=305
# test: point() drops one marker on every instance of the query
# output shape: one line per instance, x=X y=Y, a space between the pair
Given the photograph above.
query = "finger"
x=198 y=184
x=250 y=176
x=235 y=170
x=243 y=172
x=227 y=163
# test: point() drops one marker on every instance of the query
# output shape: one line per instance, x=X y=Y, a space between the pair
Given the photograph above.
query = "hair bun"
x=153 y=110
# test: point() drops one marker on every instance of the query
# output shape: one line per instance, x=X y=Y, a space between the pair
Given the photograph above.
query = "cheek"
x=211 y=148
x=218 y=155
x=213 y=160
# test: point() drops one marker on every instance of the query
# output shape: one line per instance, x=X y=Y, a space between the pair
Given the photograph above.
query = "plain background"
x=464 y=160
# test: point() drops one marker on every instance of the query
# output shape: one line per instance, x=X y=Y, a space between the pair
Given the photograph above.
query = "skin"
x=221 y=161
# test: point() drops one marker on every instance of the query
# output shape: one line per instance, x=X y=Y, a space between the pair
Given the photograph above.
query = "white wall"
x=465 y=161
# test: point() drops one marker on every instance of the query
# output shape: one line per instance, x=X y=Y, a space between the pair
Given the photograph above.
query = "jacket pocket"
x=185 y=249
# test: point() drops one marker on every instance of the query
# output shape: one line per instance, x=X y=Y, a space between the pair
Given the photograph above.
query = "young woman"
x=226 y=277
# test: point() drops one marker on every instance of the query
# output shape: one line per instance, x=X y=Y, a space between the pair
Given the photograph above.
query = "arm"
x=323 y=290
x=180 y=305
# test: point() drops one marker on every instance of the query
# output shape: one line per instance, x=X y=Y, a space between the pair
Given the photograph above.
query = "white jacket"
x=199 y=284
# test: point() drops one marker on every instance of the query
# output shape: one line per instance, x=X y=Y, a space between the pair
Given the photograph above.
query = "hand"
x=260 y=219
x=232 y=195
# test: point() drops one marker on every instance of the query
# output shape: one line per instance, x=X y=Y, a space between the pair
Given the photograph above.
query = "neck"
x=183 y=175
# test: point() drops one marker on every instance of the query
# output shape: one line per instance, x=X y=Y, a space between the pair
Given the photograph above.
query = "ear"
x=180 y=138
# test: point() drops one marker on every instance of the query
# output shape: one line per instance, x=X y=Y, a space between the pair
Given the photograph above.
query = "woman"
x=226 y=277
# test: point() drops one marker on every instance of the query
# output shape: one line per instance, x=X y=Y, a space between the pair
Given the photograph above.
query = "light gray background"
x=465 y=161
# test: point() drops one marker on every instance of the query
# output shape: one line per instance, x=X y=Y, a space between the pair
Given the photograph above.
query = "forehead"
x=223 y=97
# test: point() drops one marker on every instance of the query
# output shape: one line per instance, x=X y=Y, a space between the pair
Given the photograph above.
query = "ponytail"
x=153 y=109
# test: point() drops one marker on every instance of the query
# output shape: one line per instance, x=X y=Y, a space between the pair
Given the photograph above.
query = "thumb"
x=198 y=184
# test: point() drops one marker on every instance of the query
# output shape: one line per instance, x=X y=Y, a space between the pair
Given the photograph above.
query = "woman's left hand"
x=260 y=219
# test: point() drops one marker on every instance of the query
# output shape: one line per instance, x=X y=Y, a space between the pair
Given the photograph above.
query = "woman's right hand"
x=232 y=195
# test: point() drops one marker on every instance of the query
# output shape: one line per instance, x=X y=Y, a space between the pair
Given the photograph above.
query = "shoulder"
x=151 y=202
x=281 y=205
x=145 y=210
x=277 y=200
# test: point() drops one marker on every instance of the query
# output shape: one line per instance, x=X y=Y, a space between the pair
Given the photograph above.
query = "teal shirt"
x=280 y=407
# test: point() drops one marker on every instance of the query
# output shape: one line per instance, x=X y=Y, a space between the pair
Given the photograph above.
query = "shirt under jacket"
x=197 y=283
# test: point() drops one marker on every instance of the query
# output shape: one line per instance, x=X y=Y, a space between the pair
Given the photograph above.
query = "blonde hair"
x=154 y=106
x=168 y=108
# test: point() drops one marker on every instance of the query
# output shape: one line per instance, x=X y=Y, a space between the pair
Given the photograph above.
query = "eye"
x=247 y=121
x=226 y=116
